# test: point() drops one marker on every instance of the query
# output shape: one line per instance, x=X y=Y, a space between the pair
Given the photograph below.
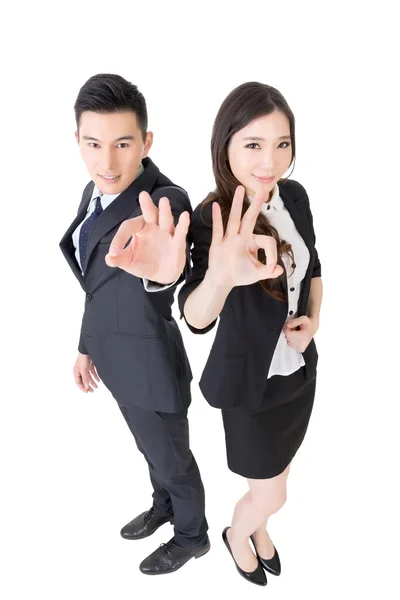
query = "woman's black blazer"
x=251 y=320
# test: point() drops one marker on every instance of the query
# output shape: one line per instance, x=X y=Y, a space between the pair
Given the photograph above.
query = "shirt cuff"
x=153 y=286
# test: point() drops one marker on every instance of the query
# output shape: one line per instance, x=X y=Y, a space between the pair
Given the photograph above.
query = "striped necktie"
x=85 y=230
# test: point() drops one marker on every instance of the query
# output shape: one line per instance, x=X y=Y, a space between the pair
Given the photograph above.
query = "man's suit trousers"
x=163 y=439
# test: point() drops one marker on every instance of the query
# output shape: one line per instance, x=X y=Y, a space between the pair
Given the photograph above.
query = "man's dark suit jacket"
x=129 y=333
x=251 y=320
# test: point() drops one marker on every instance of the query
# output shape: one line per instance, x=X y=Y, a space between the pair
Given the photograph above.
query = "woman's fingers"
x=268 y=244
x=250 y=217
x=271 y=269
x=235 y=215
x=217 y=225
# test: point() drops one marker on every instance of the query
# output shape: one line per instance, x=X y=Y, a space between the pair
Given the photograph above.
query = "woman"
x=256 y=267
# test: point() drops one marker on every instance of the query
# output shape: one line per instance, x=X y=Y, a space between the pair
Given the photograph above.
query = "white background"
x=71 y=476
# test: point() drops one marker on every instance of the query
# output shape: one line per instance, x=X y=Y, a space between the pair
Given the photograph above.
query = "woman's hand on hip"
x=300 y=338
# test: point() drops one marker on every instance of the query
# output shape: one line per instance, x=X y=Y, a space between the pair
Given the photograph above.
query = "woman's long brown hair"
x=243 y=105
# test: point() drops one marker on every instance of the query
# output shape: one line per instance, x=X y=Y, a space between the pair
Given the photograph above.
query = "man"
x=128 y=336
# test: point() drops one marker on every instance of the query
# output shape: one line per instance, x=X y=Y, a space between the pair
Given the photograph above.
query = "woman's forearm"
x=315 y=299
x=206 y=302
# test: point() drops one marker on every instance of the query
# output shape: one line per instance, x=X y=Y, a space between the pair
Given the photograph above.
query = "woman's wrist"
x=217 y=282
x=314 y=324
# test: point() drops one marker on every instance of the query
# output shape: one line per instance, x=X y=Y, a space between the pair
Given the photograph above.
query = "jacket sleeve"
x=317 y=263
x=200 y=236
x=81 y=345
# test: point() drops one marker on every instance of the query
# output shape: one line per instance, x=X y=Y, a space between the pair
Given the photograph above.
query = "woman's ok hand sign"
x=233 y=256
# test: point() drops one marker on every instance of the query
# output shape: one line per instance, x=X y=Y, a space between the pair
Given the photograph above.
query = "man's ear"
x=148 y=142
x=77 y=136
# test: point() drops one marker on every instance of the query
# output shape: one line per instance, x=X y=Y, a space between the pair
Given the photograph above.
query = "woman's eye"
x=284 y=145
x=93 y=144
x=252 y=146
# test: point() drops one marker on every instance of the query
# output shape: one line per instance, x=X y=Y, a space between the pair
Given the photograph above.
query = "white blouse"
x=287 y=360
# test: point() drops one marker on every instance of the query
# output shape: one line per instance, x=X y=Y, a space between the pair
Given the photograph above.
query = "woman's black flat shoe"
x=258 y=576
x=272 y=565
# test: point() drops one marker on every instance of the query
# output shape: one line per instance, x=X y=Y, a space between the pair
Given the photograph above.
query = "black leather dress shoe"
x=170 y=557
x=144 y=525
x=272 y=565
x=258 y=576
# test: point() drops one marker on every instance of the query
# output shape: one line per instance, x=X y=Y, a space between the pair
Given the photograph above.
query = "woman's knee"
x=269 y=495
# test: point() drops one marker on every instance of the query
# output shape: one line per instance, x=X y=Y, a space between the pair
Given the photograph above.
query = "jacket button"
x=89 y=296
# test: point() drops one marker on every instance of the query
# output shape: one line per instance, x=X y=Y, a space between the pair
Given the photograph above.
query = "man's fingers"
x=91 y=380
x=93 y=371
x=124 y=257
x=85 y=379
x=126 y=230
x=182 y=228
x=165 y=217
x=149 y=209
x=217 y=225
x=235 y=214
x=79 y=381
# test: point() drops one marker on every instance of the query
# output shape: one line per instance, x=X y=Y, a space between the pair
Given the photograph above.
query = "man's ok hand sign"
x=157 y=250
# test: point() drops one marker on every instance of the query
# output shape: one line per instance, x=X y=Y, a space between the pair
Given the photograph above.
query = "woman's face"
x=260 y=153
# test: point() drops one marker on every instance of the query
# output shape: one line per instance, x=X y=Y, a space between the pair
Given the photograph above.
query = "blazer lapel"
x=303 y=227
x=124 y=207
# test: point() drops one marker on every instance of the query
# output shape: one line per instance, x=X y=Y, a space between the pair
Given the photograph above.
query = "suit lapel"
x=66 y=243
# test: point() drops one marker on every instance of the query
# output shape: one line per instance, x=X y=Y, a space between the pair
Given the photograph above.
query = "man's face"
x=112 y=148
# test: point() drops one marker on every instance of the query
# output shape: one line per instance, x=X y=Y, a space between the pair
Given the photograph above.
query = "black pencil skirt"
x=261 y=443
